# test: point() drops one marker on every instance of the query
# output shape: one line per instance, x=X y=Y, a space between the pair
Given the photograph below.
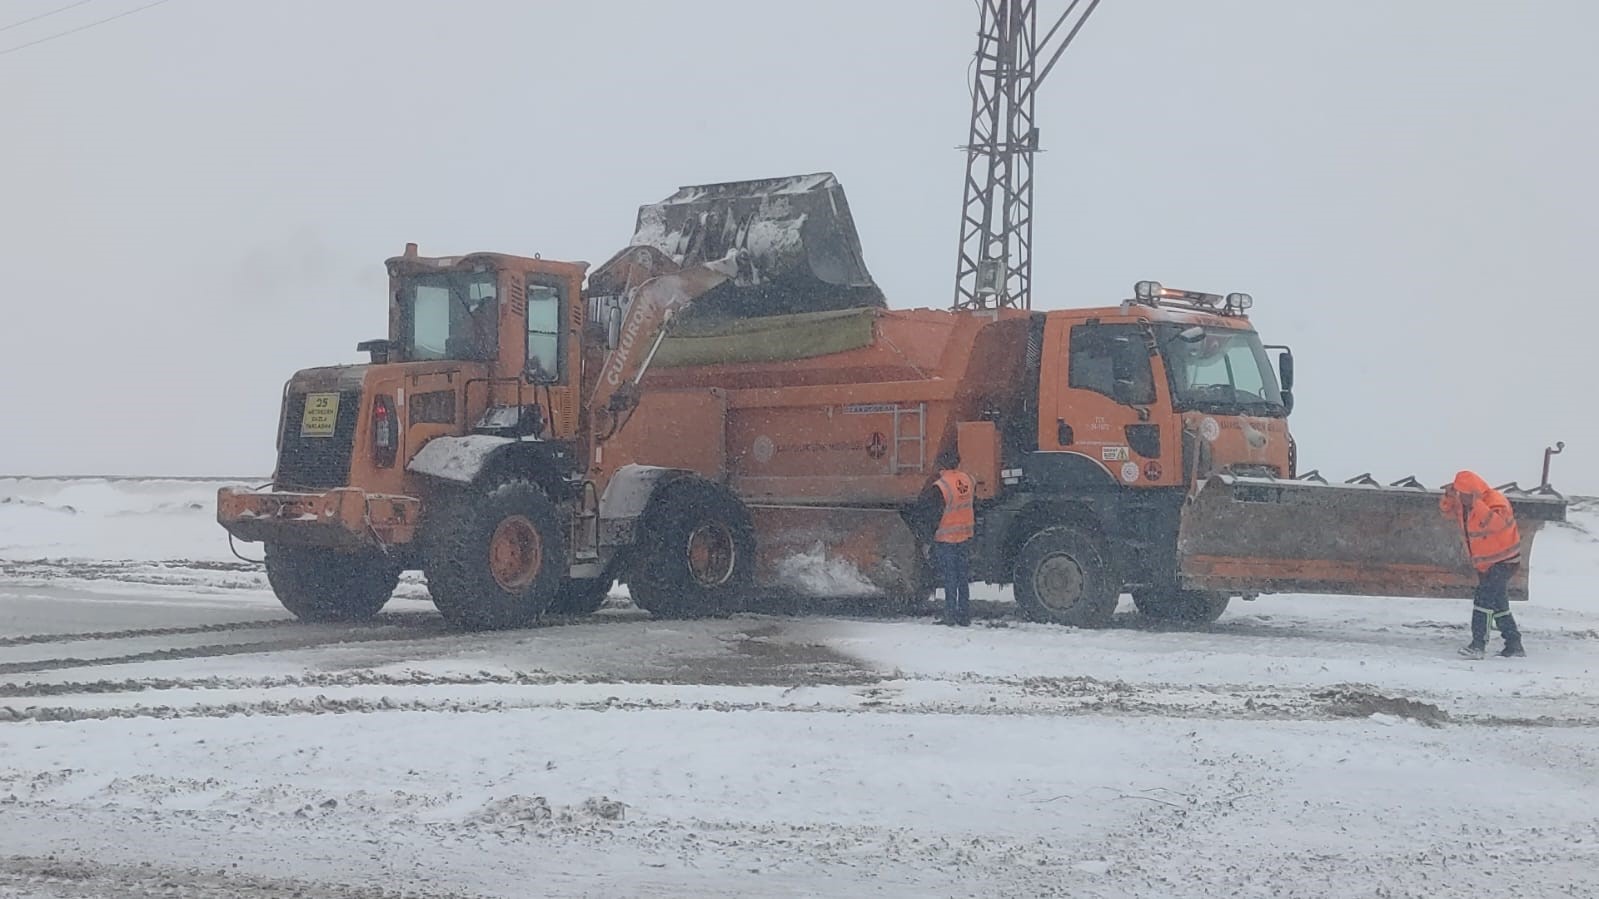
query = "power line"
x=93 y=24
x=45 y=15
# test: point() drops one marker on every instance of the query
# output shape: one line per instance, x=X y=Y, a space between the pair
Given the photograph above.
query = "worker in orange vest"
x=954 y=494
x=1488 y=525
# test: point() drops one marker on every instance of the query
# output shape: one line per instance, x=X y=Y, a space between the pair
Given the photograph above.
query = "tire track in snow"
x=1308 y=705
x=58 y=878
x=390 y=627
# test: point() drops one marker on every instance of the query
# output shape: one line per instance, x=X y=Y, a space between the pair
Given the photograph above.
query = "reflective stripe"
x=1488 y=612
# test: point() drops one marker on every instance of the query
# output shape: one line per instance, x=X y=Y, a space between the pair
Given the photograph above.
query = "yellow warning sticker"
x=321 y=415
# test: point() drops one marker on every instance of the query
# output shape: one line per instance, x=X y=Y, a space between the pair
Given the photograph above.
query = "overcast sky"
x=196 y=200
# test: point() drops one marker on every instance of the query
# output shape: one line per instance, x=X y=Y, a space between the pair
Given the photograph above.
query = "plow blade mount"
x=797 y=245
x=1263 y=535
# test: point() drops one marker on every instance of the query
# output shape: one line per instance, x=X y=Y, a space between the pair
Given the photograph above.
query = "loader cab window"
x=449 y=315
x=544 y=306
x=1226 y=371
x=1100 y=354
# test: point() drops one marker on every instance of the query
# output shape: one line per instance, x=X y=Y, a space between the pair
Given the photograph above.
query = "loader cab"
x=497 y=330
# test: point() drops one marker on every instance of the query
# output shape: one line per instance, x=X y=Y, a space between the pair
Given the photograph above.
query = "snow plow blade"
x=796 y=242
x=1263 y=535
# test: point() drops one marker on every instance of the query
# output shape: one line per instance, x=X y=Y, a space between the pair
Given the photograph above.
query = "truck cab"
x=1161 y=391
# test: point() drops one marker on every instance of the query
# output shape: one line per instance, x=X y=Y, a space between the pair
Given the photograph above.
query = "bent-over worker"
x=1494 y=543
x=951 y=495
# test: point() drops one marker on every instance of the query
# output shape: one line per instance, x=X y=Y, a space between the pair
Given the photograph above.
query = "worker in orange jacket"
x=1493 y=541
x=952 y=494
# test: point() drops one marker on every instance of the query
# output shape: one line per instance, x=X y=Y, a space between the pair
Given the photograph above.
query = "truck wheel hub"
x=1059 y=581
x=712 y=555
x=516 y=553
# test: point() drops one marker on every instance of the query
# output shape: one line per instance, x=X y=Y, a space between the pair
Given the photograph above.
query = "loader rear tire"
x=1063 y=576
x=321 y=584
x=695 y=554
x=581 y=596
x=1181 y=606
x=496 y=556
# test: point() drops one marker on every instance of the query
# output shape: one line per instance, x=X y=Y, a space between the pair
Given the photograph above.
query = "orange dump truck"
x=729 y=394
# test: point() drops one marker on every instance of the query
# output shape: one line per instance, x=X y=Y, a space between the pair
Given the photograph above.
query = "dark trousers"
x=954 y=570
x=1492 y=603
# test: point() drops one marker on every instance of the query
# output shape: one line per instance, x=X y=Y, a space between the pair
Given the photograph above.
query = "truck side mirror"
x=1285 y=370
x=1124 y=391
x=1288 y=401
x=1126 y=358
x=1121 y=359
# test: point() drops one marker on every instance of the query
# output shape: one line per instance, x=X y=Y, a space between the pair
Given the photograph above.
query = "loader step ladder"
x=909 y=448
x=586 y=539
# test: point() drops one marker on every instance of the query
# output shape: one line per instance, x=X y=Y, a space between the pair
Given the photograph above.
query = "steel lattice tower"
x=995 y=264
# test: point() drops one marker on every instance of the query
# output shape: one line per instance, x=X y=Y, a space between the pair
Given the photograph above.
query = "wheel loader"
x=730 y=392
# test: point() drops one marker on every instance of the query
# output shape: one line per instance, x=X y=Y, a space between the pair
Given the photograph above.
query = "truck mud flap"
x=796 y=242
x=1263 y=535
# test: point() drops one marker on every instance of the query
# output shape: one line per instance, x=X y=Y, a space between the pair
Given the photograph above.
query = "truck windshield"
x=1226 y=370
x=449 y=315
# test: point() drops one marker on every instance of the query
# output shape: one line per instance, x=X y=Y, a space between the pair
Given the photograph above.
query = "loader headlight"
x=1147 y=291
x=1240 y=301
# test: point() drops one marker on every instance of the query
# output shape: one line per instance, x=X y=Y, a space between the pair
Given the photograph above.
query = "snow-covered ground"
x=166 y=730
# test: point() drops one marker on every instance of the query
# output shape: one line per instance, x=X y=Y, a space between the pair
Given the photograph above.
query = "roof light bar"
x=1153 y=293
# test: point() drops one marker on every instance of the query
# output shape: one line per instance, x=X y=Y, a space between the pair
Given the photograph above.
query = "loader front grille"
x=317 y=462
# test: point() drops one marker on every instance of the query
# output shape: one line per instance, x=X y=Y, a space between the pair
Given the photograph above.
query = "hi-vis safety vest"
x=1490 y=525
x=959 y=521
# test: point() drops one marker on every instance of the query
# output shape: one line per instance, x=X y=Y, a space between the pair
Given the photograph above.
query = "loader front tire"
x=1190 y=607
x=320 y=584
x=1062 y=576
x=496 y=556
x=695 y=552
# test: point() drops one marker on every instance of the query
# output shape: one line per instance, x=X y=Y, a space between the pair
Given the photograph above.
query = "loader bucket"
x=798 y=248
x=1264 y=535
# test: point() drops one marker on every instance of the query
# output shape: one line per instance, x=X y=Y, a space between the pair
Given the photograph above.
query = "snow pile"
x=813 y=573
x=111 y=518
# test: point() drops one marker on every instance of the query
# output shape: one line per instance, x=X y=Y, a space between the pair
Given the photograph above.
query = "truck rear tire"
x=321 y=584
x=695 y=555
x=581 y=596
x=1062 y=576
x=1181 y=606
x=496 y=558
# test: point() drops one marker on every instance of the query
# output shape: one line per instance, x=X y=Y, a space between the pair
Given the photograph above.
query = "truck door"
x=1102 y=379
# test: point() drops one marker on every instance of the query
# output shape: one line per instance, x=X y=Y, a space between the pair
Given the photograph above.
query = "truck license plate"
x=321 y=414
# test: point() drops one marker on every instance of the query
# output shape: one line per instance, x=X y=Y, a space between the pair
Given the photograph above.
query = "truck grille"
x=317 y=462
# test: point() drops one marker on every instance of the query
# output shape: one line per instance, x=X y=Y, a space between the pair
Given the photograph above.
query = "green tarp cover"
x=773 y=338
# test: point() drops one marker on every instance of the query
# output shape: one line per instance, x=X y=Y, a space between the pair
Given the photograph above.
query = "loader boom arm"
x=650 y=309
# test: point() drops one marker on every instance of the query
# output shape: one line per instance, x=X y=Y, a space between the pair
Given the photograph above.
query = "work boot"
x=1472 y=650
x=1513 y=649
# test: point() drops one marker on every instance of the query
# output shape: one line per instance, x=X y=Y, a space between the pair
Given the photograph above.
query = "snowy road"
x=166 y=731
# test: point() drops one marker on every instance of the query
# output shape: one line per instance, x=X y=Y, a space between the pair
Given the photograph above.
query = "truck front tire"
x=321 y=584
x=496 y=557
x=1062 y=576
